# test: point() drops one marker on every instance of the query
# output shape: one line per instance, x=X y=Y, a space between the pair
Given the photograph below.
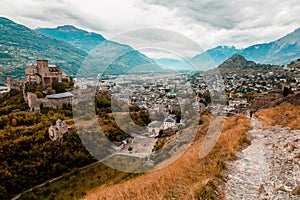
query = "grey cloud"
x=231 y=14
x=57 y=12
x=218 y=14
x=209 y=22
x=161 y=40
x=78 y=18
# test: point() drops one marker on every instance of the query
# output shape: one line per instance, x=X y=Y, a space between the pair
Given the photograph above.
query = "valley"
x=85 y=117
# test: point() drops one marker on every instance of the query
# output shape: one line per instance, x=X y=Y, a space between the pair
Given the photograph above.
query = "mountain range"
x=278 y=52
x=67 y=47
x=70 y=47
x=21 y=46
x=81 y=39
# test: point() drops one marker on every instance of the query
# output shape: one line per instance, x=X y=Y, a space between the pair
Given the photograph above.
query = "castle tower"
x=9 y=83
x=197 y=98
x=42 y=66
x=42 y=63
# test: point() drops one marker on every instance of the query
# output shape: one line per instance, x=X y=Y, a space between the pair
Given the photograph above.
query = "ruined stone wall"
x=57 y=103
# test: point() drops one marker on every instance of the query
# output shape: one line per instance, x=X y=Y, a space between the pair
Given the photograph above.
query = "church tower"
x=9 y=83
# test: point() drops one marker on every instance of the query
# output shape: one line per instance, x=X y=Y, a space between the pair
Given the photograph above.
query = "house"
x=3 y=89
x=57 y=131
x=169 y=123
x=154 y=127
x=237 y=103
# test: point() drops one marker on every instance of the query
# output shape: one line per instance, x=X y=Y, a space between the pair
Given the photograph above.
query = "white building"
x=57 y=131
x=169 y=123
x=154 y=127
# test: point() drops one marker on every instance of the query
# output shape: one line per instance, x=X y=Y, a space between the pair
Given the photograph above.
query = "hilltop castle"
x=43 y=74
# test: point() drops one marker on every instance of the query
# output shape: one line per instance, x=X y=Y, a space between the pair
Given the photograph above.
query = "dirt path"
x=269 y=168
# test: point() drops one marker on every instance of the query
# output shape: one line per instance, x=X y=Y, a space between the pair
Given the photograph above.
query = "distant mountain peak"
x=279 y=52
x=11 y=24
x=225 y=47
x=297 y=30
x=237 y=61
x=104 y=51
x=4 y=19
x=81 y=39
x=68 y=28
x=237 y=57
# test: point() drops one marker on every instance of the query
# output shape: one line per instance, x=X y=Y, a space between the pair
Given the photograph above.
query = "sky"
x=209 y=23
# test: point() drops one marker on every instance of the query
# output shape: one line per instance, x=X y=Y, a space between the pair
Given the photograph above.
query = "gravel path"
x=267 y=169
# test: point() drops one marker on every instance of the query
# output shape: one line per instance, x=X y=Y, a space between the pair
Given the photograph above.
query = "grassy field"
x=189 y=177
x=74 y=185
x=283 y=115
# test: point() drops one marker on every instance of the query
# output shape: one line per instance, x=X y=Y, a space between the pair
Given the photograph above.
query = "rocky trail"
x=267 y=169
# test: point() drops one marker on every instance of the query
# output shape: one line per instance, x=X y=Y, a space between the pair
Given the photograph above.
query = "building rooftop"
x=60 y=95
x=170 y=120
x=3 y=88
x=155 y=124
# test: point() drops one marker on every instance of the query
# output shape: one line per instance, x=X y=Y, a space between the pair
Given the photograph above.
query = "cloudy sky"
x=207 y=22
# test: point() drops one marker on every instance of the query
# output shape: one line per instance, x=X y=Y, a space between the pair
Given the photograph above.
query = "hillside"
x=111 y=57
x=114 y=58
x=189 y=177
x=81 y=39
x=21 y=46
x=281 y=51
x=286 y=114
x=213 y=57
x=238 y=61
x=238 y=64
x=278 y=52
x=28 y=157
x=294 y=64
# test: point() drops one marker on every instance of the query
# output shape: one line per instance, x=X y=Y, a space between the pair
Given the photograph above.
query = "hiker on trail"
x=251 y=113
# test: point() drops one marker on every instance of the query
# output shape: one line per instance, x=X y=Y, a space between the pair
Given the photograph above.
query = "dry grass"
x=283 y=115
x=189 y=177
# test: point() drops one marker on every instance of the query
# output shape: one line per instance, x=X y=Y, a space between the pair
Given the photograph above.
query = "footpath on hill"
x=269 y=168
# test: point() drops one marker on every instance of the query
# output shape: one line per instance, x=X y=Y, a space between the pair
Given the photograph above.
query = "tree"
x=234 y=96
x=39 y=94
x=49 y=91
x=58 y=87
x=286 y=91
x=14 y=122
x=3 y=193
